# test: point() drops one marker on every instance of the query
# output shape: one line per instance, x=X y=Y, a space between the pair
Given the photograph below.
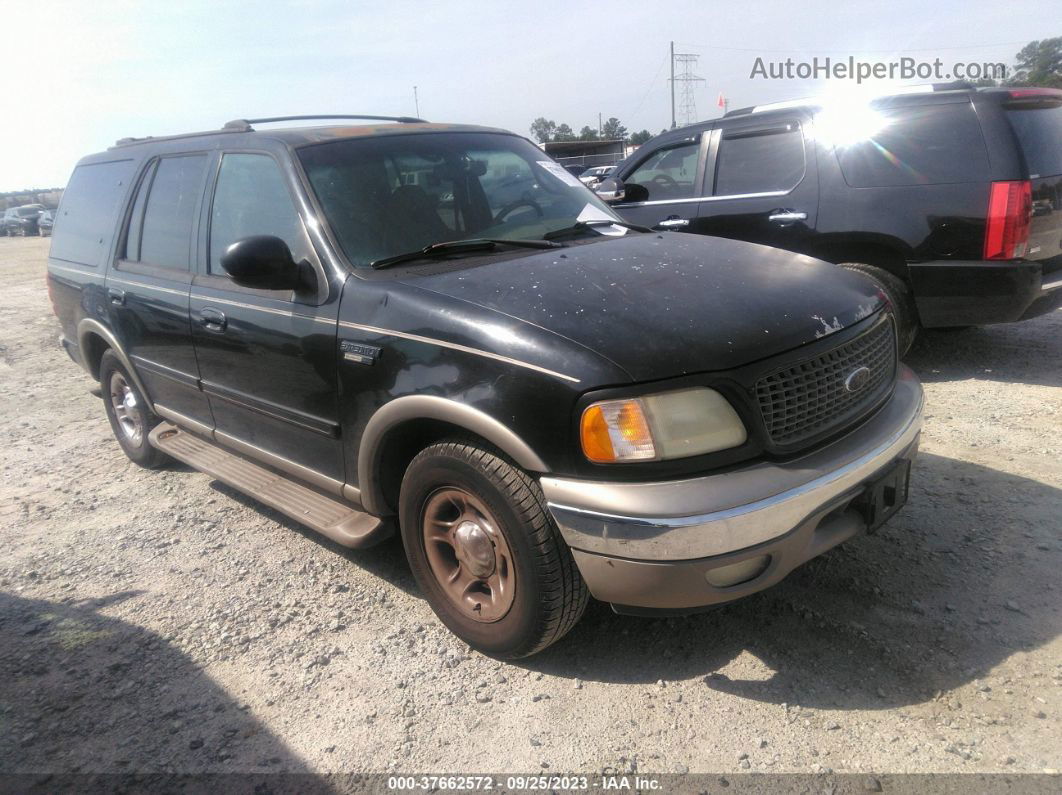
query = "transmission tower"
x=684 y=63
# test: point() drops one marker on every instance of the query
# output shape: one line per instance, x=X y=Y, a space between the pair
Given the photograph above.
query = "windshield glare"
x=398 y=193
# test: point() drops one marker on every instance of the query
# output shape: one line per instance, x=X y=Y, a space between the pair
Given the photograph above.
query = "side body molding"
x=431 y=407
x=89 y=326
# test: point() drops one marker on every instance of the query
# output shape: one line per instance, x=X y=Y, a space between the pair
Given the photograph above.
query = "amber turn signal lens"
x=616 y=430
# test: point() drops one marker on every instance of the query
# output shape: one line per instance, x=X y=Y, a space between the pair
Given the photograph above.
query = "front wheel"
x=128 y=411
x=901 y=298
x=486 y=553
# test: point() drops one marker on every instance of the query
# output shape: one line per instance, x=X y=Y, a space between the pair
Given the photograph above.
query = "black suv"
x=21 y=220
x=361 y=327
x=949 y=197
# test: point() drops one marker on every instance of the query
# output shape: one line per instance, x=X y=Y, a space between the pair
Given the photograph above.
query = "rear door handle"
x=212 y=319
x=787 y=216
x=673 y=222
x=117 y=296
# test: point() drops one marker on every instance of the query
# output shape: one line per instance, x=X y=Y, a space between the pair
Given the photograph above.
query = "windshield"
x=393 y=194
x=26 y=212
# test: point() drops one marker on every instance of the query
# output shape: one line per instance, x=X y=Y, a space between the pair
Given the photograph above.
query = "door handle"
x=787 y=216
x=673 y=222
x=117 y=296
x=212 y=319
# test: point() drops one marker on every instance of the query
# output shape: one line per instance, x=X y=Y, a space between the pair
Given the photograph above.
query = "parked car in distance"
x=575 y=169
x=950 y=198
x=594 y=175
x=21 y=220
x=45 y=221
x=360 y=327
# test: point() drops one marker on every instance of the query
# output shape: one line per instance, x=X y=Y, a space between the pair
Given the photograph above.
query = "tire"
x=491 y=515
x=901 y=298
x=131 y=419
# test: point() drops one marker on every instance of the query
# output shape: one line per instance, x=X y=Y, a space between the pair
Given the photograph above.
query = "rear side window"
x=760 y=161
x=89 y=212
x=251 y=198
x=164 y=233
x=923 y=144
x=669 y=173
x=1039 y=132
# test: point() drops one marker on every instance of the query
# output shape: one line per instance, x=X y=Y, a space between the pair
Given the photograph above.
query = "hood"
x=671 y=304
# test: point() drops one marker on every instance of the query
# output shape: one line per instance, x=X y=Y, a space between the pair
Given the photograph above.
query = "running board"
x=328 y=516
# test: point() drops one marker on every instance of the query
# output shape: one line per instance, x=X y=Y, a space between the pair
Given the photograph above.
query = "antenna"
x=687 y=109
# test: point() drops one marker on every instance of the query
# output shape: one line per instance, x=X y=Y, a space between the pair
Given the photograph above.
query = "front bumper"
x=657 y=545
x=959 y=293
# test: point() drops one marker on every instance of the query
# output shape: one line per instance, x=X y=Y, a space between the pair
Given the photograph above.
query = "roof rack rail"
x=244 y=125
x=128 y=141
x=917 y=88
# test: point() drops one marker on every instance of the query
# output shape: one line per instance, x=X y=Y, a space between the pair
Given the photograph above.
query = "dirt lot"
x=159 y=621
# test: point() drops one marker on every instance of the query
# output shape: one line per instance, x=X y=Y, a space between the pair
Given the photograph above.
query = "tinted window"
x=88 y=215
x=1040 y=132
x=669 y=173
x=167 y=231
x=916 y=145
x=251 y=198
x=758 y=161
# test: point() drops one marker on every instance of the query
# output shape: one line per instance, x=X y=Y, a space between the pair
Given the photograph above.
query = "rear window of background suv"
x=919 y=144
x=1039 y=132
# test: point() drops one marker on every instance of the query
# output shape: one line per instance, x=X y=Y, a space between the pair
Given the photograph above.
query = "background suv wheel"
x=899 y=294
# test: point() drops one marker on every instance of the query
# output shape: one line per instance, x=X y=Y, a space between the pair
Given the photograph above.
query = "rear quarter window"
x=925 y=144
x=88 y=214
x=1039 y=132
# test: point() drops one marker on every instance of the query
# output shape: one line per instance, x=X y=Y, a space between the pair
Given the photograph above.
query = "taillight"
x=1009 y=216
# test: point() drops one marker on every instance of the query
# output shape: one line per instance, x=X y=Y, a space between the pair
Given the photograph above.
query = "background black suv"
x=21 y=220
x=950 y=198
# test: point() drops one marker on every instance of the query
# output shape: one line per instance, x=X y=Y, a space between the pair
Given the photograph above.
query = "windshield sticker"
x=592 y=213
x=557 y=170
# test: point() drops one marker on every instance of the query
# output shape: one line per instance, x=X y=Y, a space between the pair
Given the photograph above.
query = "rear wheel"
x=128 y=411
x=901 y=298
x=486 y=553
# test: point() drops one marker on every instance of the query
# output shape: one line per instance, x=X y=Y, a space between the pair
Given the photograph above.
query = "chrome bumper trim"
x=773 y=499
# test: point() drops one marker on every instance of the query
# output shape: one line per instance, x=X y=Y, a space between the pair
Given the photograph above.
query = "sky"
x=80 y=75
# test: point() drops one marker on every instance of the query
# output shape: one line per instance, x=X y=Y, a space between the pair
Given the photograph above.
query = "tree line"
x=545 y=130
x=1038 y=63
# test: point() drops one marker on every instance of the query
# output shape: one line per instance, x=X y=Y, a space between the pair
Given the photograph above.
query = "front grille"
x=810 y=398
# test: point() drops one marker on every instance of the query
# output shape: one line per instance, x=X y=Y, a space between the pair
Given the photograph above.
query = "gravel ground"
x=159 y=621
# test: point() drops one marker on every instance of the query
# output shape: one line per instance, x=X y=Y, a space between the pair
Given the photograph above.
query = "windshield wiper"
x=580 y=226
x=459 y=246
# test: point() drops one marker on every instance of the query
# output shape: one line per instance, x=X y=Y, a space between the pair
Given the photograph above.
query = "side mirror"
x=263 y=262
x=610 y=190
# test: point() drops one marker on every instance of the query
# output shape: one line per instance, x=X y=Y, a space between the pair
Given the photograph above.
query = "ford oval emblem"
x=857 y=379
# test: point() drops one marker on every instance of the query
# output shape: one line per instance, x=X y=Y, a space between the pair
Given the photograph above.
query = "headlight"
x=678 y=424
